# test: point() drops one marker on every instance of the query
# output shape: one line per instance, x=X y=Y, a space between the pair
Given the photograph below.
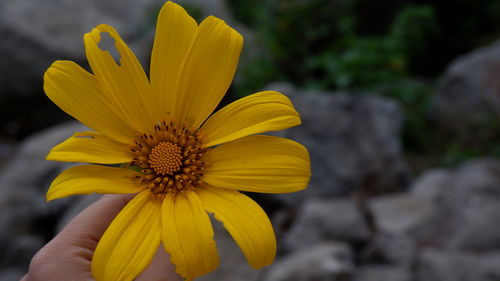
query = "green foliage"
x=298 y=33
x=359 y=63
x=415 y=99
x=315 y=43
x=473 y=140
x=413 y=32
x=392 y=48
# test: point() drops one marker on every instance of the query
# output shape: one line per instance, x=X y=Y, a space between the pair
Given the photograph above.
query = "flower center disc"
x=165 y=158
x=170 y=159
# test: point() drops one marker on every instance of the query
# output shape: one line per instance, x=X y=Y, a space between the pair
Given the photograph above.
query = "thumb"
x=68 y=255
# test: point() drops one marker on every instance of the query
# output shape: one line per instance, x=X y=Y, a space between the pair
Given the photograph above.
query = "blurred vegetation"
x=394 y=48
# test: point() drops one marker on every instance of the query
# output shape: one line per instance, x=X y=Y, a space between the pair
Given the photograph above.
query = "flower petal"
x=79 y=94
x=207 y=71
x=91 y=147
x=130 y=242
x=126 y=83
x=188 y=235
x=175 y=32
x=86 y=179
x=257 y=113
x=244 y=220
x=259 y=164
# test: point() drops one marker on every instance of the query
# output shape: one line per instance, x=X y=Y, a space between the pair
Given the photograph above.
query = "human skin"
x=68 y=256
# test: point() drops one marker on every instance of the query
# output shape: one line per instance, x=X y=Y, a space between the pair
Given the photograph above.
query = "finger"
x=68 y=255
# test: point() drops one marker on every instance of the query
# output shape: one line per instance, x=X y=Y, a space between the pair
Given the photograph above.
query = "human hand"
x=69 y=254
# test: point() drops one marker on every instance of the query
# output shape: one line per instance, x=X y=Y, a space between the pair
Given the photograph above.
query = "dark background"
x=400 y=103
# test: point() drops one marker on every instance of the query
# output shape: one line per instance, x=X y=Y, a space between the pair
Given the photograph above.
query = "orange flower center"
x=170 y=159
x=165 y=158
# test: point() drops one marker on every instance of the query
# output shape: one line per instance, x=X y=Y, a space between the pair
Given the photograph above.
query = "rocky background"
x=406 y=176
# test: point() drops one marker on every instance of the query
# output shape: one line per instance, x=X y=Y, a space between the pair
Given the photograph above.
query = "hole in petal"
x=107 y=43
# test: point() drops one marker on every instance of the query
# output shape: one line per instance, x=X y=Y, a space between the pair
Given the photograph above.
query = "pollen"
x=170 y=159
x=165 y=158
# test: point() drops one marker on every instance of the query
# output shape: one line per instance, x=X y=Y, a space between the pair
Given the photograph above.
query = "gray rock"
x=207 y=8
x=353 y=140
x=7 y=150
x=432 y=184
x=455 y=209
x=466 y=210
x=399 y=213
x=28 y=173
x=382 y=273
x=11 y=275
x=327 y=220
x=395 y=249
x=23 y=183
x=35 y=33
x=469 y=90
x=20 y=250
x=321 y=262
x=436 y=265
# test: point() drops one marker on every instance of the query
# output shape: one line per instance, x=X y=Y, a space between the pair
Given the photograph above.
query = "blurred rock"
x=382 y=273
x=469 y=90
x=7 y=150
x=432 y=184
x=456 y=266
x=233 y=262
x=207 y=8
x=24 y=181
x=28 y=172
x=466 y=208
x=353 y=140
x=327 y=220
x=321 y=262
x=399 y=213
x=35 y=33
x=396 y=249
x=11 y=275
x=20 y=250
x=449 y=214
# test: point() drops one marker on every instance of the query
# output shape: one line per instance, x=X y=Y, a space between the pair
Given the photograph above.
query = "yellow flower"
x=181 y=163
